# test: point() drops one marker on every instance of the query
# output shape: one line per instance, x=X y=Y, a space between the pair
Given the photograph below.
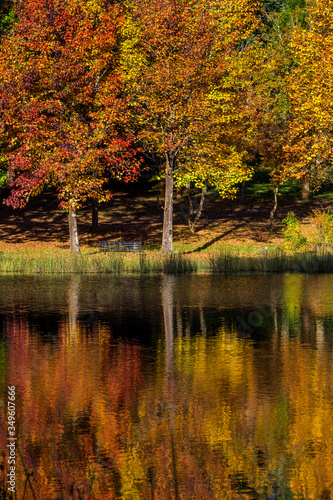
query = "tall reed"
x=150 y=262
x=277 y=262
x=115 y=263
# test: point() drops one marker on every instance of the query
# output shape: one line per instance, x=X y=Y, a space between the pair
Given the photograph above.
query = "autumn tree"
x=7 y=18
x=310 y=145
x=269 y=94
x=176 y=53
x=61 y=107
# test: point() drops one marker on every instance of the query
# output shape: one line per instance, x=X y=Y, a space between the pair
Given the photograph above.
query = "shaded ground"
x=137 y=216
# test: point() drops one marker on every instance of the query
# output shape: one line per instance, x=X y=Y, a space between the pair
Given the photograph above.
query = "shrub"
x=321 y=234
x=294 y=239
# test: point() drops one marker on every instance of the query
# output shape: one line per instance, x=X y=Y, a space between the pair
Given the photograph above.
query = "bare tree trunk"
x=192 y=221
x=94 y=216
x=272 y=214
x=305 y=189
x=190 y=217
x=73 y=234
x=167 y=243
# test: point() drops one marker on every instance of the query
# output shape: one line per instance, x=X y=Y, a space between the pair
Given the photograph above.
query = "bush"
x=321 y=233
x=294 y=239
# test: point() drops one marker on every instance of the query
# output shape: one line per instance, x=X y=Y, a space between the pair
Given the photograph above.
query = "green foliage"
x=3 y=177
x=294 y=239
x=294 y=13
x=7 y=16
x=287 y=9
x=273 y=5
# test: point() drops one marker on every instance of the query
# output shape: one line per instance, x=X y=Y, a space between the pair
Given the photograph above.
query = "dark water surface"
x=197 y=387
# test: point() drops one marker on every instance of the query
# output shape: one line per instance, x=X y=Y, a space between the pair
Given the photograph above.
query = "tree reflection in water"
x=181 y=405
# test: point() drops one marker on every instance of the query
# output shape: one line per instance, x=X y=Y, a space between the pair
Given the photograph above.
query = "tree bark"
x=94 y=216
x=305 y=189
x=272 y=214
x=73 y=234
x=167 y=243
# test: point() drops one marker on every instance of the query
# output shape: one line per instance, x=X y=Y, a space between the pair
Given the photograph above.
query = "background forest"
x=199 y=95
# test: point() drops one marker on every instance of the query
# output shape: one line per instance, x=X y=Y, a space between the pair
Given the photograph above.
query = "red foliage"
x=61 y=106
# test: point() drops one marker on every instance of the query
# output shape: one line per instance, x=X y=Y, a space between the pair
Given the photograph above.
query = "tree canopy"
x=63 y=114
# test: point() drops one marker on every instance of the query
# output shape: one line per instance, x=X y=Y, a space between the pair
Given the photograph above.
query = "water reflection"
x=170 y=388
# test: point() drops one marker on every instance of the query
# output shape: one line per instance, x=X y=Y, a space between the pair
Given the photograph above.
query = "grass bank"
x=226 y=262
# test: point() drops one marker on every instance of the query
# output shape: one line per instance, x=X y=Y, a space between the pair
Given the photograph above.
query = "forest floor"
x=137 y=215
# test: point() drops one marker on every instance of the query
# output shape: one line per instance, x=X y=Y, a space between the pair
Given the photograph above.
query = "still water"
x=197 y=387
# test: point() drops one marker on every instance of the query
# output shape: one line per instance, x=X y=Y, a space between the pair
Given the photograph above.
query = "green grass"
x=260 y=187
x=323 y=196
x=224 y=262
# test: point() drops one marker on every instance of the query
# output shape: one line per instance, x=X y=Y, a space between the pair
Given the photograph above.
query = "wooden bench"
x=120 y=246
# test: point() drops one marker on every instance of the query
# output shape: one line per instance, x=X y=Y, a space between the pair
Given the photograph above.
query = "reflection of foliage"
x=3 y=365
x=230 y=419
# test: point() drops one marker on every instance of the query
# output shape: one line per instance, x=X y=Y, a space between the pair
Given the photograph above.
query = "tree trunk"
x=73 y=234
x=193 y=220
x=167 y=244
x=305 y=189
x=94 y=216
x=272 y=214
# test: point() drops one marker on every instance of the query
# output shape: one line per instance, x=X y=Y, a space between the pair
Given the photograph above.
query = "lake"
x=167 y=387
